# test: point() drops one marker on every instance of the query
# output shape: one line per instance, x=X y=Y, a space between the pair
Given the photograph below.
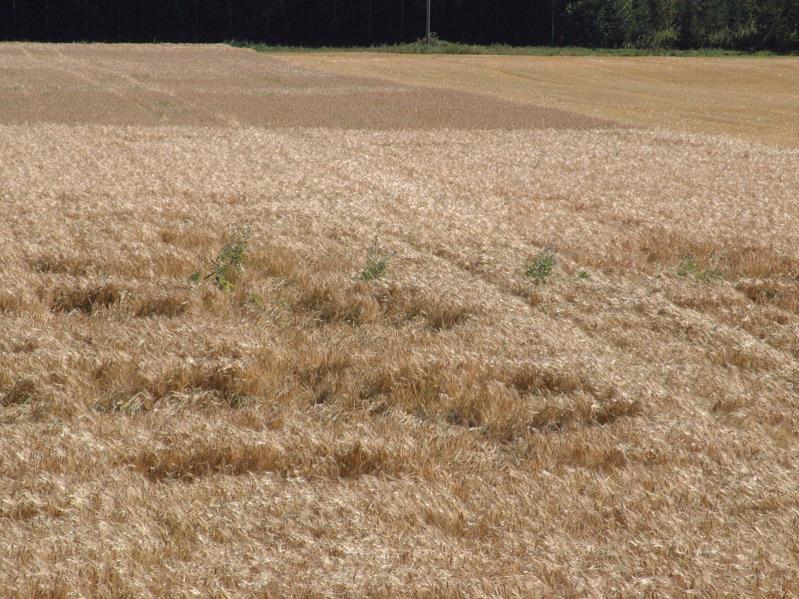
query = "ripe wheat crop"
x=624 y=424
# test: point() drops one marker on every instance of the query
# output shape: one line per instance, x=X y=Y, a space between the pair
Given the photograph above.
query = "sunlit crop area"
x=273 y=329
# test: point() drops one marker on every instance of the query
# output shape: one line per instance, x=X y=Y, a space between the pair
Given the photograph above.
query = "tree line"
x=735 y=24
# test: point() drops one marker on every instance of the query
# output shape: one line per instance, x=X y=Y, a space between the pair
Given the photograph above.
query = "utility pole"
x=402 y=21
x=369 y=24
x=427 y=37
x=196 y=20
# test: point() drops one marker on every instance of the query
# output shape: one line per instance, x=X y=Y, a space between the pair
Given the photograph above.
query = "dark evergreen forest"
x=736 y=24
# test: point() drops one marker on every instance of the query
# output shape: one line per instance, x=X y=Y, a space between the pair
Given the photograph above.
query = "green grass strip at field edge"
x=442 y=47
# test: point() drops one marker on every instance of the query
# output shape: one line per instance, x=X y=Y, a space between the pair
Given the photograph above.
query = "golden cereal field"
x=369 y=325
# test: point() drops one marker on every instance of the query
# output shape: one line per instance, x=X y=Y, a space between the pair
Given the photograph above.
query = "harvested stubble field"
x=627 y=425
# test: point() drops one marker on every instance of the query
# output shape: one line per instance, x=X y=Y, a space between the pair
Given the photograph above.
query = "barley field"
x=356 y=325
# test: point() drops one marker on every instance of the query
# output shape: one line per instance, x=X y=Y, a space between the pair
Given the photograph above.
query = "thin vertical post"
x=427 y=36
x=196 y=20
x=402 y=21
